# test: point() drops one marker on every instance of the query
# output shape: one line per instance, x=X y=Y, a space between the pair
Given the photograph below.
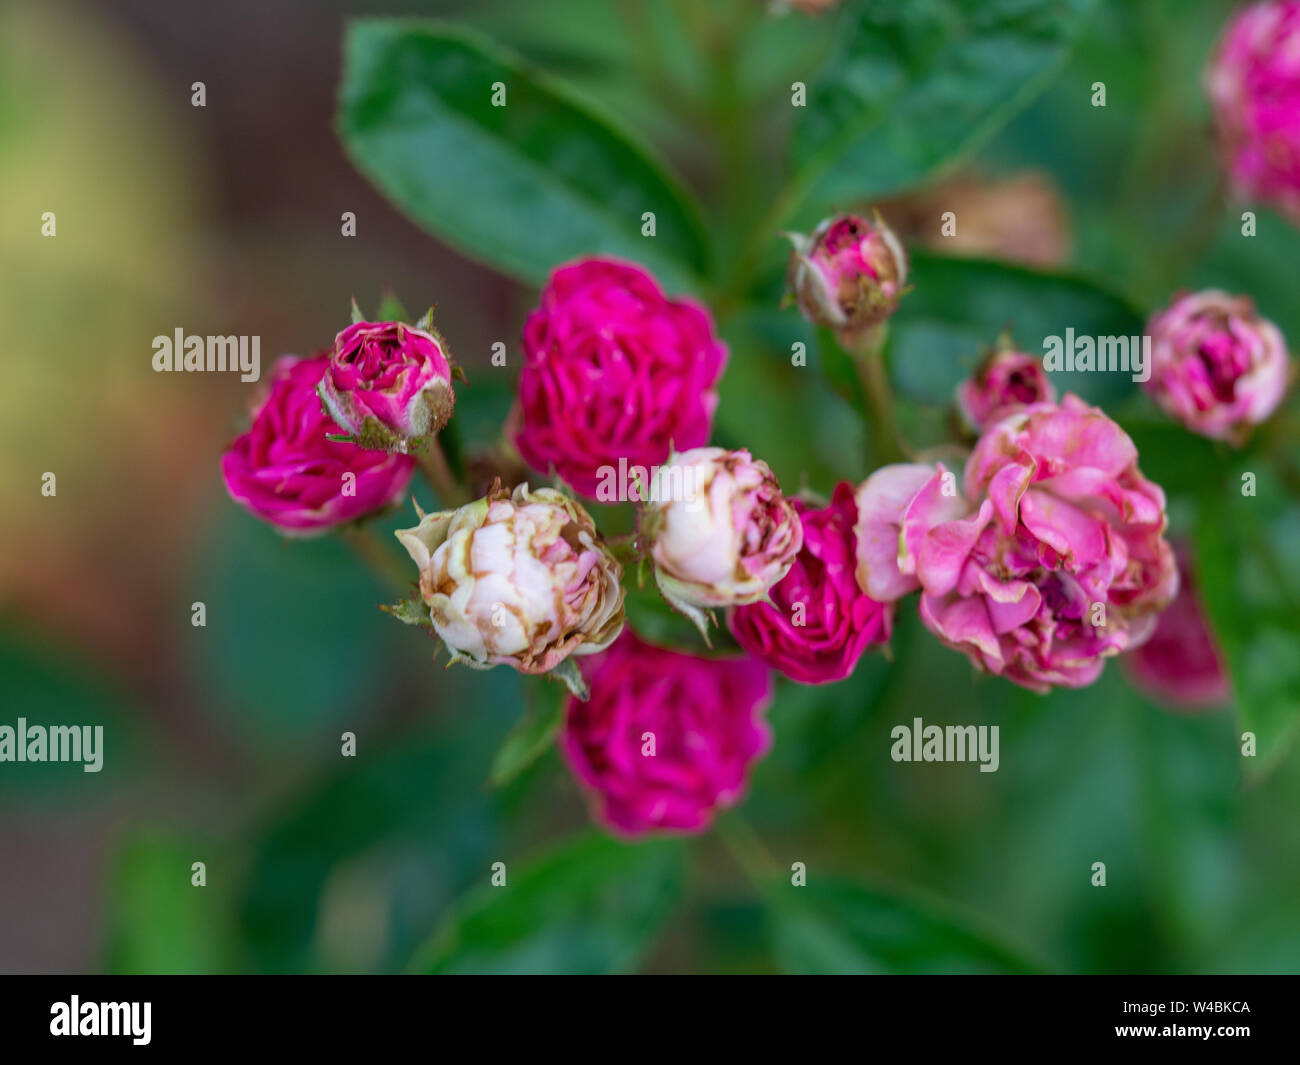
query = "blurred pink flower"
x=613 y=369
x=1057 y=562
x=388 y=385
x=1181 y=665
x=1253 y=81
x=666 y=739
x=818 y=621
x=1217 y=367
x=1006 y=379
x=287 y=471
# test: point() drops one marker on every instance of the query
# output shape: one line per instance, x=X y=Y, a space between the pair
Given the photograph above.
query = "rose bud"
x=1057 y=561
x=1217 y=367
x=613 y=369
x=389 y=384
x=818 y=621
x=287 y=471
x=1006 y=379
x=518 y=579
x=1181 y=664
x=719 y=530
x=665 y=739
x=848 y=275
x=1253 y=82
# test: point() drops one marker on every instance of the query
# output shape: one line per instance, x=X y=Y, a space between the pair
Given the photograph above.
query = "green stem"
x=748 y=850
x=381 y=560
x=433 y=461
x=868 y=353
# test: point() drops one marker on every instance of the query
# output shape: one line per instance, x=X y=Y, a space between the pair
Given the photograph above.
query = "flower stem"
x=433 y=461
x=377 y=556
x=748 y=850
x=868 y=353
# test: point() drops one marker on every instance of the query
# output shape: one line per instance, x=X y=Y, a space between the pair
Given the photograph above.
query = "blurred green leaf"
x=913 y=85
x=532 y=734
x=836 y=927
x=158 y=920
x=1249 y=578
x=959 y=306
x=595 y=905
x=524 y=187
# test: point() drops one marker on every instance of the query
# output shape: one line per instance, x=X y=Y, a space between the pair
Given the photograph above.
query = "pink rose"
x=388 y=385
x=848 y=274
x=288 y=472
x=1181 y=664
x=665 y=738
x=720 y=533
x=1253 y=82
x=818 y=621
x=1057 y=561
x=1217 y=367
x=1007 y=379
x=613 y=369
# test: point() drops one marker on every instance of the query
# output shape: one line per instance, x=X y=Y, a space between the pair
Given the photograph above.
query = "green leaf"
x=593 y=906
x=522 y=187
x=913 y=85
x=1249 y=579
x=837 y=927
x=959 y=306
x=158 y=920
x=532 y=735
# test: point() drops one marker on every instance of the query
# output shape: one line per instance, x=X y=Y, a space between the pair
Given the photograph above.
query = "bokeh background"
x=223 y=741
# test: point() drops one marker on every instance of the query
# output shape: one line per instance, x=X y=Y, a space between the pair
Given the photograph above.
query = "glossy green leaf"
x=595 y=905
x=913 y=85
x=522 y=187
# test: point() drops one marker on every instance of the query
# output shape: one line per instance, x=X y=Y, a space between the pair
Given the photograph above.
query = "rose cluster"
x=1041 y=557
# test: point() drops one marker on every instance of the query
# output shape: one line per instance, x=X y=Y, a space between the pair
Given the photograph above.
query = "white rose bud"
x=518 y=579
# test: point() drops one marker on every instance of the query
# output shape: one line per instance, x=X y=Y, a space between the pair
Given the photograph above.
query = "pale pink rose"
x=1050 y=560
x=719 y=530
x=518 y=579
x=1181 y=664
x=388 y=385
x=1006 y=379
x=1217 y=367
x=287 y=471
x=666 y=739
x=613 y=369
x=1253 y=81
x=848 y=274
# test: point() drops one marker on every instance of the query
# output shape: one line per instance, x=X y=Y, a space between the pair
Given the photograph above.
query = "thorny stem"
x=433 y=461
x=377 y=556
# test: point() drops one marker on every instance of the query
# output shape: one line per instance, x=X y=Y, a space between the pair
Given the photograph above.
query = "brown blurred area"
x=223 y=219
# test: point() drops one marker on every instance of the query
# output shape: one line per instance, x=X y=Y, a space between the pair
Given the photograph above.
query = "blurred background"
x=223 y=742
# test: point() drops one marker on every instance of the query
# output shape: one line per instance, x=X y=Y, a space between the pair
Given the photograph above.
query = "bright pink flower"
x=1216 y=366
x=613 y=369
x=1253 y=82
x=1057 y=562
x=1181 y=665
x=388 y=385
x=848 y=274
x=819 y=621
x=1005 y=380
x=288 y=472
x=665 y=738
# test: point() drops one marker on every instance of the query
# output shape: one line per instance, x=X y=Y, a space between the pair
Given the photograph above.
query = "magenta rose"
x=388 y=385
x=1054 y=560
x=288 y=472
x=1253 y=82
x=665 y=739
x=613 y=369
x=1005 y=380
x=1216 y=366
x=1181 y=664
x=818 y=621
